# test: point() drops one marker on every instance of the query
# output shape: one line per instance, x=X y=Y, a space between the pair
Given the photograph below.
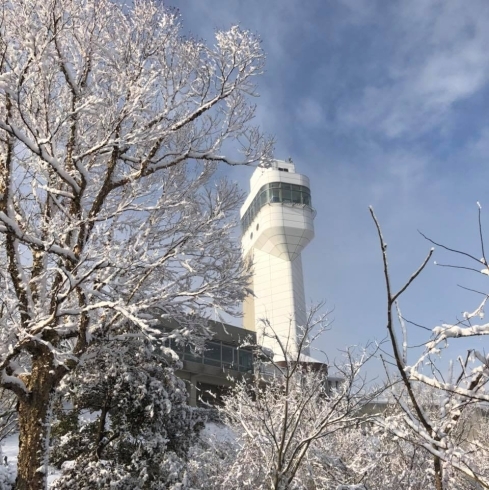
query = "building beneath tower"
x=277 y=224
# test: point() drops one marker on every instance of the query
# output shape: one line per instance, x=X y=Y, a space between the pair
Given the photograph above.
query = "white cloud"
x=439 y=57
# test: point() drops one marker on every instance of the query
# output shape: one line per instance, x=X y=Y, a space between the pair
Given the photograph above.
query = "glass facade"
x=275 y=192
x=216 y=354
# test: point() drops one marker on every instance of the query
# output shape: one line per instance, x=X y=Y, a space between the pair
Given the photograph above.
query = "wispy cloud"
x=438 y=57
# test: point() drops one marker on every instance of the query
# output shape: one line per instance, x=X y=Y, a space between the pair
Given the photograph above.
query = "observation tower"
x=277 y=223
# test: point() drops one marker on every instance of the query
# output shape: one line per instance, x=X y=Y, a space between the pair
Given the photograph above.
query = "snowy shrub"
x=7 y=474
x=212 y=457
x=7 y=478
x=95 y=475
x=129 y=421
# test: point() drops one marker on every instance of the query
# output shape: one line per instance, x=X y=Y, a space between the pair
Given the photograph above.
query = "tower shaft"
x=279 y=305
x=277 y=222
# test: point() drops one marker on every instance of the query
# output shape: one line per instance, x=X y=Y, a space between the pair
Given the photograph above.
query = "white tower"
x=277 y=223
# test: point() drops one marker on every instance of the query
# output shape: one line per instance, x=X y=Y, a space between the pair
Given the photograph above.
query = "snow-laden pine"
x=122 y=420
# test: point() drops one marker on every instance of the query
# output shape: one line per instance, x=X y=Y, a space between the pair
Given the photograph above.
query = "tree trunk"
x=438 y=473
x=34 y=427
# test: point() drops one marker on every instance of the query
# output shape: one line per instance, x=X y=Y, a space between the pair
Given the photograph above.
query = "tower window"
x=275 y=192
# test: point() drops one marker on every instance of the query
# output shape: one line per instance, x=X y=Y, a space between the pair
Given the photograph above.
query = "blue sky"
x=384 y=104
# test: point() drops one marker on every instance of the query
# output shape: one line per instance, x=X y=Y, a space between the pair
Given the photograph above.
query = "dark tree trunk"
x=34 y=420
x=438 y=473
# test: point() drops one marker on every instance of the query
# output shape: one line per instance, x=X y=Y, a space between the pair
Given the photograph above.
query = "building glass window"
x=245 y=360
x=212 y=354
x=227 y=356
x=276 y=192
x=215 y=353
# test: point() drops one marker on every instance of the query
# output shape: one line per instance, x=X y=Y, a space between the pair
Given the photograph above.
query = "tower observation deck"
x=277 y=223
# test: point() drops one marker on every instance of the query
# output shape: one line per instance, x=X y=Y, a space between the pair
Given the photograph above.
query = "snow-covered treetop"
x=111 y=127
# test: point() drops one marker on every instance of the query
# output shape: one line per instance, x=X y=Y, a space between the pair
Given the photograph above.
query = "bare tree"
x=282 y=415
x=111 y=125
x=438 y=423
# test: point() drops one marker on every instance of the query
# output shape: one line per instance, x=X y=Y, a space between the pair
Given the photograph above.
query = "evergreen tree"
x=123 y=420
